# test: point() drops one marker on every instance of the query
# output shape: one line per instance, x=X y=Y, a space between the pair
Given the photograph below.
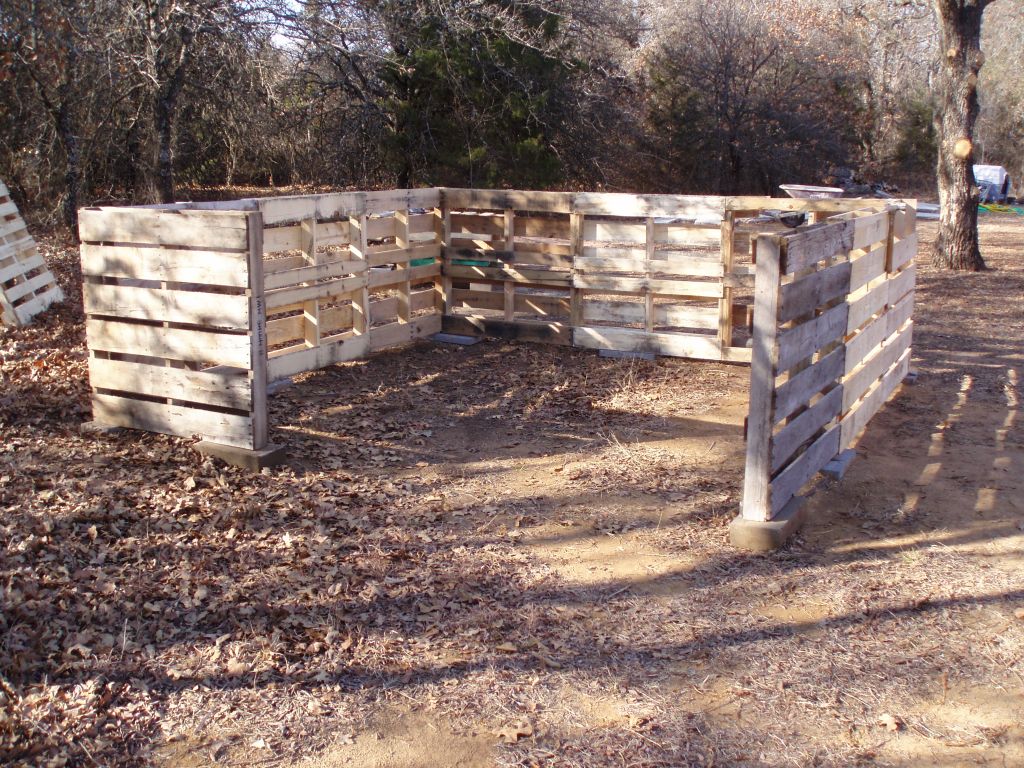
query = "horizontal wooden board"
x=542 y=227
x=542 y=331
x=902 y=283
x=277 y=210
x=174 y=343
x=523 y=276
x=227 y=390
x=801 y=429
x=620 y=204
x=19 y=267
x=523 y=303
x=858 y=417
x=801 y=387
x=641 y=284
x=691 y=345
x=397 y=334
x=866 y=266
x=338 y=351
x=691 y=235
x=212 y=230
x=221 y=268
x=500 y=199
x=179 y=420
x=814 y=244
x=864 y=304
x=610 y=230
x=609 y=260
x=789 y=481
x=336 y=288
x=313 y=272
x=868 y=230
x=672 y=315
x=800 y=342
x=216 y=310
x=806 y=294
x=862 y=377
x=904 y=251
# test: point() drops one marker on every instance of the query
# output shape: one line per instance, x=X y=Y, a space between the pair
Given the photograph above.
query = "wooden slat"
x=173 y=419
x=499 y=199
x=21 y=267
x=38 y=303
x=868 y=230
x=213 y=230
x=397 y=334
x=28 y=286
x=328 y=353
x=816 y=243
x=227 y=390
x=865 y=267
x=683 y=266
x=543 y=227
x=174 y=343
x=802 y=341
x=805 y=294
x=523 y=276
x=865 y=304
x=902 y=283
x=322 y=271
x=801 y=387
x=679 y=234
x=857 y=418
x=642 y=206
x=166 y=264
x=904 y=251
x=861 y=378
x=804 y=427
x=190 y=307
x=335 y=288
x=757 y=473
x=788 y=482
x=640 y=284
x=691 y=345
x=673 y=315
x=610 y=230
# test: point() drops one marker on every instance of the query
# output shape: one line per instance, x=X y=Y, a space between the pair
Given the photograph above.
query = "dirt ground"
x=516 y=555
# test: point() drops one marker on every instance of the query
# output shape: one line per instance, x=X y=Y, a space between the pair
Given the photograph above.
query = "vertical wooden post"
x=405 y=289
x=358 y=248
x=257 y=333
x=757 y=475
x=310 y=309
x=509 y=247
x=890 y=241
x=648 y=257
x=439 y=290
x=446 y=241
x=575 y=294
x=728 y=261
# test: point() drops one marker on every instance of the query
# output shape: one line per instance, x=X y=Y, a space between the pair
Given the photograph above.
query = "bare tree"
x=961 y=61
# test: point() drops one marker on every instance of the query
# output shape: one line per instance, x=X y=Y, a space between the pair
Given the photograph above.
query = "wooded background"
x=129 y=100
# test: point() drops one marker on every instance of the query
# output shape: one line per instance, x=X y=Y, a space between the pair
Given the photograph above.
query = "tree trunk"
x=961 y=60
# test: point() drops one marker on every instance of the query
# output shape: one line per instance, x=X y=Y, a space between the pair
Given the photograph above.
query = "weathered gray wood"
x=802 y=341
x=806 y=294
x=800 y=388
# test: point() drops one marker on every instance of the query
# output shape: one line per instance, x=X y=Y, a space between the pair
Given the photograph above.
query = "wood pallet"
x=27 y=287
x=832 y=335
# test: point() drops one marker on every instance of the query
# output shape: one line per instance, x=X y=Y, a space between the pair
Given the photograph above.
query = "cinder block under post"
x=768 y=535
x=246 y=458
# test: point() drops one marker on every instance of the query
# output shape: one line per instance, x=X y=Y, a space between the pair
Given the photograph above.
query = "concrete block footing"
x=764 y=536
x=253 y=460
x=840 y=464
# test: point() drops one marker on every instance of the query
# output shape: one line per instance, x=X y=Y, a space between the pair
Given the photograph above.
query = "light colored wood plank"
x=661 y=287
x=610 y=230
x=865 y=304
x=862 y=377
x=335 y=288
x=803 y=427
x=329 y=352
x=794 y=477
x=902 y=283
x=802 y=341
x=322 y=271
x=220 y=268
x=499 y=200
x=21 y=267
x=814 y=244
x=904 y=250
x=210 y=309
x=798 y=390
x=642 y=206
x=227 y=390
x=806 y=294
x=764 y=357
x=173 y=419
x=691 y=345
x=523 y=276
x=213 y=230
x=857 y=418
x=173 y=343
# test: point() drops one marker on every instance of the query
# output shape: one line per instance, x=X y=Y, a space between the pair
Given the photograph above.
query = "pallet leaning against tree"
x=27 y=286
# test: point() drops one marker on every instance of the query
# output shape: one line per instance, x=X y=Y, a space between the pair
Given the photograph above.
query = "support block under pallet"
x=253 y=460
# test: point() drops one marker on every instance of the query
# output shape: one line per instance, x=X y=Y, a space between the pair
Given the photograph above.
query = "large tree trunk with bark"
x=961 y=60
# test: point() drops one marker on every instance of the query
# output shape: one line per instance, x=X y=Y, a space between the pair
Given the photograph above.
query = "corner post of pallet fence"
x=756 y=505
x=257 y=332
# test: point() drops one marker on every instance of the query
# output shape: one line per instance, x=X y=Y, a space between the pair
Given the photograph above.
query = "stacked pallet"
x=27 y=287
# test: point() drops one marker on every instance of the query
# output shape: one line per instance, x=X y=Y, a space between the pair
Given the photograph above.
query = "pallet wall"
x=637 y=273
x=349 y=274
x=832 y=334
x=175 y=322
x=27 y=286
